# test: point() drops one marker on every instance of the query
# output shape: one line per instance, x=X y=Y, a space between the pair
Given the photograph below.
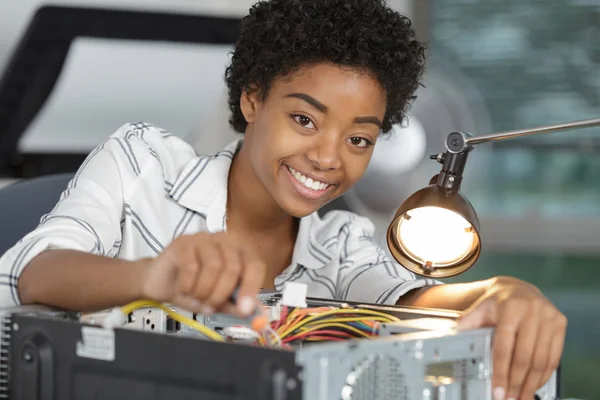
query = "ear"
x=250 y=103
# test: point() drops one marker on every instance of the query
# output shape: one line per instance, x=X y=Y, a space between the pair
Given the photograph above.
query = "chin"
x=300 y=211
x=298 y=207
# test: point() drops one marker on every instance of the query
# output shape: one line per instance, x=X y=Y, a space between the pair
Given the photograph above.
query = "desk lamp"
x=435 y=232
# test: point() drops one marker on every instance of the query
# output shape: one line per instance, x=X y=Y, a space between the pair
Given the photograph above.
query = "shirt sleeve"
x=367 y=274
x=87 y=216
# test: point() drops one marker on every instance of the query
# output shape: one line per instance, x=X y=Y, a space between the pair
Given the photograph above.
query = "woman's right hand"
x=200 y=273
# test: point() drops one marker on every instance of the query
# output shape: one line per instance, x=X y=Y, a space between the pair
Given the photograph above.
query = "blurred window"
x=537 y=63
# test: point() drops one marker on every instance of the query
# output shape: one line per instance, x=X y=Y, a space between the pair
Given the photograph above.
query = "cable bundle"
x=324 y=324
x=294 y=325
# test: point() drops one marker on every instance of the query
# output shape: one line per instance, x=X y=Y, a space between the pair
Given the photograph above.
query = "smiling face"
x=311 y=138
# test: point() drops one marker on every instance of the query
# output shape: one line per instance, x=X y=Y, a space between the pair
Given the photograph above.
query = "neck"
x=249 y=205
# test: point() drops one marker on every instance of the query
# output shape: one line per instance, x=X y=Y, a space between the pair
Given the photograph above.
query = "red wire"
x=284 y=314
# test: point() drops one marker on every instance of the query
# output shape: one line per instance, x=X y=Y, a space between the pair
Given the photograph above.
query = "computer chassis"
x=47 y=354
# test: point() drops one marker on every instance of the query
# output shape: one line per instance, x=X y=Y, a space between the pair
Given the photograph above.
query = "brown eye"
x=304 y=121
x=359 y=142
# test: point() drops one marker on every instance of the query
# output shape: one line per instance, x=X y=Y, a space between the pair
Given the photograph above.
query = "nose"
x=324 y=154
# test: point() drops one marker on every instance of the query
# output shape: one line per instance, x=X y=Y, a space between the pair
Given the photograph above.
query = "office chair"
x=23 y=203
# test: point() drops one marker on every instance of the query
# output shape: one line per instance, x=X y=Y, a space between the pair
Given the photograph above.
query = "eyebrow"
x=323 y=108
x=310 y=100
x=368 y=120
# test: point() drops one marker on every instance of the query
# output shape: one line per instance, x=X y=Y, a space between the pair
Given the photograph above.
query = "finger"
x=524 y=349
x=189 y=303
x=253 y=276
x=482 y=315
x=229 y=277
x=556 y=349
x=503 y=345
x=228 y=308
x=211 y=266
x=194 y=306
x=539 y=362
x=185 y=258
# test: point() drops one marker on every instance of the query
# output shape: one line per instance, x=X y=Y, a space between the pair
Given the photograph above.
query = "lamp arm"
x=533 y=131
x=459 y=144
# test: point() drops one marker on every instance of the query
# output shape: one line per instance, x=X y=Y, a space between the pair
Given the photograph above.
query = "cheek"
x=269 y=129
x=277 y=140
x=263 y=136
x=270 y=145
x=355 y=169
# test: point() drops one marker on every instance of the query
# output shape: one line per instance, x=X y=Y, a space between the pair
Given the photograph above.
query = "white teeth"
x=308 y=182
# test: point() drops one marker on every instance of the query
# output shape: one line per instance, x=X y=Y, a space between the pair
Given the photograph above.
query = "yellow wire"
x=288 y=320
x=283 y=333
x=327 y=325
x=342 y=320
x=131 y=307
x=182 y=319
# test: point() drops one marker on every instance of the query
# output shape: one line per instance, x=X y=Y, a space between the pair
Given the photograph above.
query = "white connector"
x=240 y=333
x=115 y=318
x=274 y=312
x=294 y=295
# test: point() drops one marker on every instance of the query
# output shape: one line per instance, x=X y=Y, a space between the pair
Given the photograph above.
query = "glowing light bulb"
x=435 y=236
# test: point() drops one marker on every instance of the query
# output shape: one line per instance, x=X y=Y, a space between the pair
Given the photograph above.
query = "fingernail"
x=246 y=305
x=499 y=393
x=208 y=310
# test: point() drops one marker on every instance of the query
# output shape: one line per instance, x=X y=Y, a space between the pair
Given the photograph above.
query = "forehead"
x=335 y=85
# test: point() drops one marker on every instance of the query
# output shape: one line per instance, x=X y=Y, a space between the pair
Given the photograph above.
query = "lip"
x=303 y=190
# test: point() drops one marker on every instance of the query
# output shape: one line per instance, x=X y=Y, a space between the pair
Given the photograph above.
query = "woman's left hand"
x=528 y=340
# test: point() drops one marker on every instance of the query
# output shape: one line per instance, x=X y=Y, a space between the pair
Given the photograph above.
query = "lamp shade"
x=435 y=233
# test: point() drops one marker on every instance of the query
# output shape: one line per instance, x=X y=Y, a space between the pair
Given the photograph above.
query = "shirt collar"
x=202 y=187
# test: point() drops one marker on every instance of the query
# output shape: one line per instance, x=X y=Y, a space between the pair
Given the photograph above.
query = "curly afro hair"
x=279 y=36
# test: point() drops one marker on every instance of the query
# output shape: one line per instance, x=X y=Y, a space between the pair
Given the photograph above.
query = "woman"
x=313 y=84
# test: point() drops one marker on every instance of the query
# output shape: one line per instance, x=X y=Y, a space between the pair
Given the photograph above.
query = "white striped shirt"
x=143 y=187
